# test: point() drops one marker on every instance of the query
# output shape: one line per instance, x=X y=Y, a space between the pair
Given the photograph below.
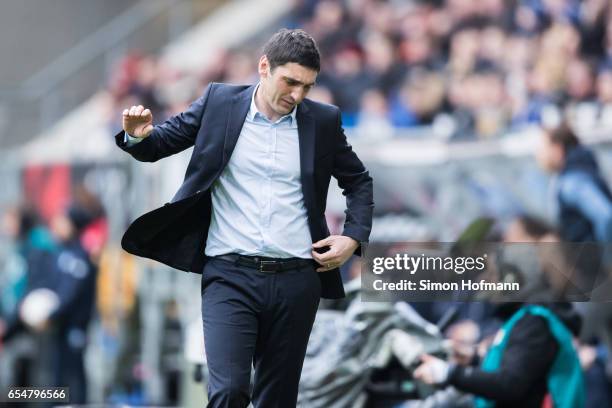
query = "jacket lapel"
x=237 y=112
x=306 y=134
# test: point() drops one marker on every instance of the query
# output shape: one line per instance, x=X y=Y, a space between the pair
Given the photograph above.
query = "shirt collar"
x=253 y=111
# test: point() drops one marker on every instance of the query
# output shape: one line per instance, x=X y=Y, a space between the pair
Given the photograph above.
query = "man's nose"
x=297 y=95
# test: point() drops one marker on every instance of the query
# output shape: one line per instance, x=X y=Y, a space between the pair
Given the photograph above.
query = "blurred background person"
x=532 y=360
x=583 y=196
x=75 y=287
x=25 y=269
x=584 y=214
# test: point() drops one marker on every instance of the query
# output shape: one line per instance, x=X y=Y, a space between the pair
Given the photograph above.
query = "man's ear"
x=264 y=66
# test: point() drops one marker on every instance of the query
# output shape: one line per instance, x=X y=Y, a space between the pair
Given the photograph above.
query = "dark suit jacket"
x=176 y=233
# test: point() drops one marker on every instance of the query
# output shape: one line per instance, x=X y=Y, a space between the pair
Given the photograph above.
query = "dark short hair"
x=292 y=46
x=563 y=135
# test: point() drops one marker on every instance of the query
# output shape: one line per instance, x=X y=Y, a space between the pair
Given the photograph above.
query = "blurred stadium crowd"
x=470 y=69
x=448 y=69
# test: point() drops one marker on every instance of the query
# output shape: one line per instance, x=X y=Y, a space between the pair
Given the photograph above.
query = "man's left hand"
x=340 y=250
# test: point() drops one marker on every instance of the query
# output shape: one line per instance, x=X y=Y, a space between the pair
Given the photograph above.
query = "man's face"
x=550 y=155
x=285 y=86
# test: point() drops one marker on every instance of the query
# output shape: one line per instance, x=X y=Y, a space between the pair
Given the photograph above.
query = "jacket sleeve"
x=173 y=136
x=357 y=187
x=529 y=354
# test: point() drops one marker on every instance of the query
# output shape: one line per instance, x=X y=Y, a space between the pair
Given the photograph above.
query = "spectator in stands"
x=348 y=80
x=579 y=92
x=580 y=81
x=584 y=215
x=373 y=122
x=37 y=250
x=25 y=269
x=381 y=63
x=418 y=100
x=592 y=24
x=488 y=101
x=75 y=289
x=584 y=198
x=328 y=25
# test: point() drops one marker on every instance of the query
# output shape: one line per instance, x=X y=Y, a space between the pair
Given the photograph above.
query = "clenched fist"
x=138 y=121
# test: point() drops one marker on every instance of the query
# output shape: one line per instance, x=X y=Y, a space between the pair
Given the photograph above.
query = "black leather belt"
x=267 y=265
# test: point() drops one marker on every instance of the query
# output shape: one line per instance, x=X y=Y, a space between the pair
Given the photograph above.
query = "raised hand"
x=138 y=121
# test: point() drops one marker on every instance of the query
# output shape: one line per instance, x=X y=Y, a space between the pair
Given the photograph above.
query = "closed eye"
x=295 y=82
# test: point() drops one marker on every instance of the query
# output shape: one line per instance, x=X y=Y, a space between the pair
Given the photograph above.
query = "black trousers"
x=260 y=319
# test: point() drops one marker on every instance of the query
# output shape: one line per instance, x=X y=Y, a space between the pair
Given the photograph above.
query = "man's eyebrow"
x=299 y=82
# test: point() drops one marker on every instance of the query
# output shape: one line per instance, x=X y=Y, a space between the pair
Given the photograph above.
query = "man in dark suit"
x=249 y=217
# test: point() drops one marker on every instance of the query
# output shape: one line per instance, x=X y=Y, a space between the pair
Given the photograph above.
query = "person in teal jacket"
x=532 y=358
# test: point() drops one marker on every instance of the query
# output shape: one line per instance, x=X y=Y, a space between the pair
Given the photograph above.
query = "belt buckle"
x=262 y=265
